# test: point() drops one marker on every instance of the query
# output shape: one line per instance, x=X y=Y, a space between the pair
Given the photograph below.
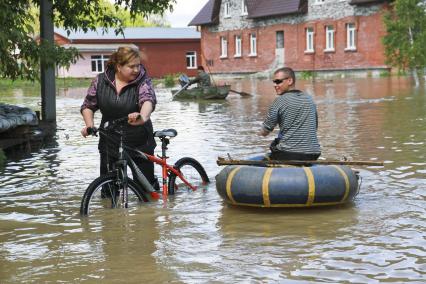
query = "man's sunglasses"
x=279 y=81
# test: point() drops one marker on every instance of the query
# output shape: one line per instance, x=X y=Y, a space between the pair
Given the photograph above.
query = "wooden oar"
x=243 y=94
x=183 y=88
x=273 y=163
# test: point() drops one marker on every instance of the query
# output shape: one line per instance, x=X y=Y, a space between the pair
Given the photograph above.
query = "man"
x=203 y=79
x=296 y=114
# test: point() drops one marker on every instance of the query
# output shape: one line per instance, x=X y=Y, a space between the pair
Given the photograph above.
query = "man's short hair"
x=288 y=72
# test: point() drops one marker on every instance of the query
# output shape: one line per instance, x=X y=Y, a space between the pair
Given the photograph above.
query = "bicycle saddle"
x=165 y=133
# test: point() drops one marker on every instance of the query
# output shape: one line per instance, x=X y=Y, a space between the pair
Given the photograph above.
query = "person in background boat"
x=203 y=79
x=124 y=89
x=296 y=115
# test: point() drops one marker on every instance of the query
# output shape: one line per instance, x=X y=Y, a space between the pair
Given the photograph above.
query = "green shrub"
x=169 y=80
x=384 y=73
x=306 y=75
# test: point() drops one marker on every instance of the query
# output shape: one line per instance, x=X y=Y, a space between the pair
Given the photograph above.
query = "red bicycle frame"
x=166 y=170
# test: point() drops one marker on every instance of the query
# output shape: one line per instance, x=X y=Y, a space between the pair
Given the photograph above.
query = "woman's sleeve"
x=147 y=93
x=91 y=101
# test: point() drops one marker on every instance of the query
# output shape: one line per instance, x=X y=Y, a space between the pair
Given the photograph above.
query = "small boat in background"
x=202 y=93
x=317 y=185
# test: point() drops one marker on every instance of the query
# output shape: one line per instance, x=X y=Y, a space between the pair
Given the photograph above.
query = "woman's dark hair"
x=122 y=56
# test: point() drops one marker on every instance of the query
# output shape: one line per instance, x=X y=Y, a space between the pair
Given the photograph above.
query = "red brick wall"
x=369 y=49
x=168 y=57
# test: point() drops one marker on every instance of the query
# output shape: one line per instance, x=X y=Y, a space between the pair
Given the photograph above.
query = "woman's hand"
x=84 y=131
x=135 y=119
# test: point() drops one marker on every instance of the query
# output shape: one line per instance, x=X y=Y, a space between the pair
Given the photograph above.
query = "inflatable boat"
x=317 y=185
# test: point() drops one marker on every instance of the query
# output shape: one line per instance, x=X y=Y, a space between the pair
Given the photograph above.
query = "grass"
x=60 y=83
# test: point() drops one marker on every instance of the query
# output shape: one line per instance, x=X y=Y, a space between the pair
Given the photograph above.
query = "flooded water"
x=195 y=237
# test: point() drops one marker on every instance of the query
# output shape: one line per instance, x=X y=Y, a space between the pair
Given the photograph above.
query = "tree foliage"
x=405 y=41
x=20 y=51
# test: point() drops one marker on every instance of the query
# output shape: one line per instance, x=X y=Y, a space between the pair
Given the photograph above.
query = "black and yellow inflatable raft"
x=317 y=185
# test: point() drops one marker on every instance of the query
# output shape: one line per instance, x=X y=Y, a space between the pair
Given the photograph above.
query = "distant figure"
x=124 y=89
x=203 y=79
x=296 y=114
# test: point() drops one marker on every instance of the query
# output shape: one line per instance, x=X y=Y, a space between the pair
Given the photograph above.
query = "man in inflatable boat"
x=296 y=115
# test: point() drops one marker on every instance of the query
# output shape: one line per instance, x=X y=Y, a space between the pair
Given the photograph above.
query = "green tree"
x=405 y=40
x=20 y=51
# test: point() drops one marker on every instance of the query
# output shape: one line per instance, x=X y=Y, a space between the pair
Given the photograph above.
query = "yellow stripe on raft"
x=347 y=186
x=265 y=187
x=229 y=183
x=311 y=184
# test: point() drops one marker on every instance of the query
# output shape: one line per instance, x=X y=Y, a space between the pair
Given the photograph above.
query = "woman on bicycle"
x=124 y=89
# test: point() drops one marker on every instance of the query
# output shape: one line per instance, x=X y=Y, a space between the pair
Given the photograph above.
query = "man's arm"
x=264 y=132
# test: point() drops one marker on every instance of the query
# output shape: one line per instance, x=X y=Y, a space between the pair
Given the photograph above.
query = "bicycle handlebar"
x=94 y=131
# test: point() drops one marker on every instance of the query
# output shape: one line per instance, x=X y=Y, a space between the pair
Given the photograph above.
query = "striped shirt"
x=296 y=114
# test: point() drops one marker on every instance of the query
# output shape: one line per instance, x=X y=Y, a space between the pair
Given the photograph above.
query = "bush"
x=306 y=75
x=169 y=80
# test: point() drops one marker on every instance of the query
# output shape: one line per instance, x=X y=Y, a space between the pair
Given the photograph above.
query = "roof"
x=98 y=47
x=209 y=14
x=206 y=16
x=267 y=8
x=132 y=33
x=360 y=2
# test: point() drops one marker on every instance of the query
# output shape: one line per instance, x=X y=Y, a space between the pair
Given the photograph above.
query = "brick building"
x=246 y=36
x=164 y=50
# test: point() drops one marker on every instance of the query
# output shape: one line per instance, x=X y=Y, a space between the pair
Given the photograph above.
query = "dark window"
x=280 y=39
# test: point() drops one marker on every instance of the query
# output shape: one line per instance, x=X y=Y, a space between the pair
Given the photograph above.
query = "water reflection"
x=194 y=237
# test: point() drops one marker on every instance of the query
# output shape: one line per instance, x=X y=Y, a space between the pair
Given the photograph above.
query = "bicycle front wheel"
x=192 y=171
x=106 y=192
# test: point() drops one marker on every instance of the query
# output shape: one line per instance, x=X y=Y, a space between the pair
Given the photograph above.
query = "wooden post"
x=48 y=90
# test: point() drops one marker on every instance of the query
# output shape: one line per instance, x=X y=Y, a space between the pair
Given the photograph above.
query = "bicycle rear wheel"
x=192 y=171
x=105 y=192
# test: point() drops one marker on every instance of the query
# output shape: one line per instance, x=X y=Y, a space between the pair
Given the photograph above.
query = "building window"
x=243 y=8
x=329 y=38
x=279 y=39
x=227 y=10
x=253 y=45
x=223 y=47
x=309 y=40
x=99 y=63
x=191 y=60
x=350 y=37
x=237 y=46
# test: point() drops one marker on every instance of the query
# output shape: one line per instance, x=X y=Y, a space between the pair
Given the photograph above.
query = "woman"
x=124 y=89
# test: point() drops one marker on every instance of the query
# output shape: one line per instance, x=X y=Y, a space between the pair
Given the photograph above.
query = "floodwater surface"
x=194 y=237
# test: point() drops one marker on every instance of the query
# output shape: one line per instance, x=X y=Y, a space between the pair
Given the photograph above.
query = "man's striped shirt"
x=296 y=114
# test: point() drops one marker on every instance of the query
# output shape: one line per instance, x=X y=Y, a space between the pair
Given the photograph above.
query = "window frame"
x=253 y=44
x=310 y=46
x=329 y=38
x=350 y=37
x=102 y=58
x=223 y=47
x=192 y=58
x=227 y=10
x=244 y=11
x=238 y=46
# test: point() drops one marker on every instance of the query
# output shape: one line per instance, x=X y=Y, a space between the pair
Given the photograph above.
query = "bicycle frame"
x=125 y=160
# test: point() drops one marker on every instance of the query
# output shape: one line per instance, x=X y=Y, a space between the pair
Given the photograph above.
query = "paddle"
x=276 y=163
x=243 y=94
x=183 y=88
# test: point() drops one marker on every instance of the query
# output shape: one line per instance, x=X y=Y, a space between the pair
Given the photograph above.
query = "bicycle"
x=112 y=190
